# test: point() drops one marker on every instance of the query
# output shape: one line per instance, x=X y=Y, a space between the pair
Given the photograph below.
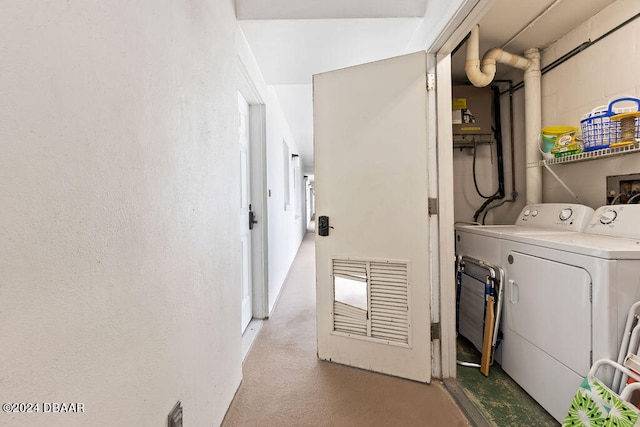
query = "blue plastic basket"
x=598 y=132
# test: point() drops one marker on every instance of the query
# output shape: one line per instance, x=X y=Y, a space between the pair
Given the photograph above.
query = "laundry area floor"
x=499 y=399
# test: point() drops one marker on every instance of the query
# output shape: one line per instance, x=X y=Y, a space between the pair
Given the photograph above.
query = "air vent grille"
x=385 y=314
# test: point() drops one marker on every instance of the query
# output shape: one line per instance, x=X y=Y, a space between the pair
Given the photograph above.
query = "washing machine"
x=479 y=259
x=567 y=296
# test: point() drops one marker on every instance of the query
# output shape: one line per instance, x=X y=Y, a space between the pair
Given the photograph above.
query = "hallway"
x=286 y=385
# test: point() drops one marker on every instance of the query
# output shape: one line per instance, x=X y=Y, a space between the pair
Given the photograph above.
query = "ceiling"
x=294 y=39
x=329 y=9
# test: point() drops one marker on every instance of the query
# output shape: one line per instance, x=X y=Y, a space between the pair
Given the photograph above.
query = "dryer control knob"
x=608 y=217
x=527 y=212
x=565 y=214
x=534 y=212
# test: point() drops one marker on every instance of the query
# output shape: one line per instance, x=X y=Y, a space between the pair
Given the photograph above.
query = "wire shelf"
x=590 y=155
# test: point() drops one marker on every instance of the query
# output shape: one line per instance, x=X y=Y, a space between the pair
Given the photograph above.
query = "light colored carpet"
x=286 y=385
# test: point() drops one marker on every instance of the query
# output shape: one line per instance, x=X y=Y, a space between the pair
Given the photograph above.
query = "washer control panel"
x=616 y=220
x=565 y=214
x=557 y=216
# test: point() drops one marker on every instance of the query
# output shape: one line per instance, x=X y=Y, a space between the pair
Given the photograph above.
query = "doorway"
x=253 y=231
x=246 y=213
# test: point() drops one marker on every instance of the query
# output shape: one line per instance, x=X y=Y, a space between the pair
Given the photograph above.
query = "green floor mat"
x=501 y=401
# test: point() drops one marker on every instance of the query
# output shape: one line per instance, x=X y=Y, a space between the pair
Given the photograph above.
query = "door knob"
x=323 y=226
x=252 y=218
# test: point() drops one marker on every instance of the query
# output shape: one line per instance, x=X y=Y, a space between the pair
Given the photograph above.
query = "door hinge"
x=435 y=331
x=432 y=205
x=431 y=81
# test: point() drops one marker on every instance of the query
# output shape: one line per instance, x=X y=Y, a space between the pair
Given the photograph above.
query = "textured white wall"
x=598 y=74
x=120 y=259
x=285 y=230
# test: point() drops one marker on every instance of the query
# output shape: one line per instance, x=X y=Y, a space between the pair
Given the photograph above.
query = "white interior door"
x=245 y=208
x=373 y=290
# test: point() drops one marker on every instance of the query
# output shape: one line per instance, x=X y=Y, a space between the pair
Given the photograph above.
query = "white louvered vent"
x=349 y=318
x=384 y=312
x=389 y=301
x=353 y=270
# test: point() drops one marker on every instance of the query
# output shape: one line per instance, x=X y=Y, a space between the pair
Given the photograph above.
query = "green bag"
x=596 y=405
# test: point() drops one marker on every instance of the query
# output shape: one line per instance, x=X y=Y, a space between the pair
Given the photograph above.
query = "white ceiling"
x=295 y=39
x=328 y=9
x=291 y=51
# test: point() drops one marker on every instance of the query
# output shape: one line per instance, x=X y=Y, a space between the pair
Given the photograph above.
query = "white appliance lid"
x=607 y=247
x=501 y=231
x=538 y=218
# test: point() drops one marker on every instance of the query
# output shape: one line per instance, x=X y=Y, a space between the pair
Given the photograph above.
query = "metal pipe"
x=633 y=348
x=627 y=392
x=632 y=319
x=498 y=131
x=566 y=187
x=511 y=141
x=564 y=58
x=532 y=23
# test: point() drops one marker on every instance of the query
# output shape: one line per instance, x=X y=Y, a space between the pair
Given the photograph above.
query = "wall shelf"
x=590 y=155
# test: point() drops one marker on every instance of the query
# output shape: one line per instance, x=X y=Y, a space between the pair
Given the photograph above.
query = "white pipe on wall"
x=481 y=75
x=533 y=124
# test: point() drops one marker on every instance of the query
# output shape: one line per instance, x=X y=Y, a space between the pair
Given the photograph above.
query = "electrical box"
x=472 y=114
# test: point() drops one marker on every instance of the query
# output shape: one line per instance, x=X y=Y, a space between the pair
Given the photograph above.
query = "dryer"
x=566 y=300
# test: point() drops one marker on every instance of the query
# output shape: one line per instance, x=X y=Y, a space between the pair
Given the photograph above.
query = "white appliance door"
x=547 y=328
x=372 y=268
x=549 y=306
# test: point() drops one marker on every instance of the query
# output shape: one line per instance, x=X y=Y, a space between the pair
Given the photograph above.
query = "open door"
x=246 y=214
x=372 y=247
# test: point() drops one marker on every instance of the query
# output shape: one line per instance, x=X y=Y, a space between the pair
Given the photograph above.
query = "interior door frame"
x=258 y=188
x=440 y=135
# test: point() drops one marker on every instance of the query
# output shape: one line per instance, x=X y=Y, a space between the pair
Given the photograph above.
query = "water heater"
x=472 y=114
